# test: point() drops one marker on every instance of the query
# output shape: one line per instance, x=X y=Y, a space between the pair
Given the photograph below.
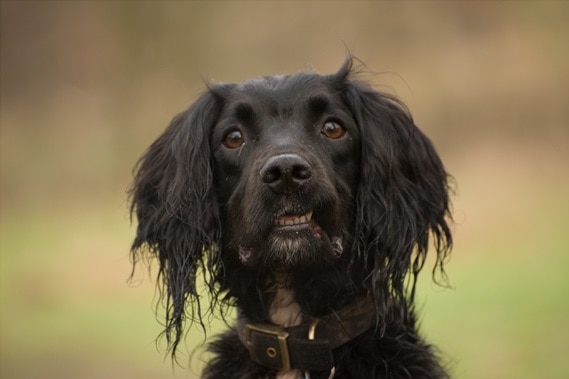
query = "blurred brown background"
x=87 y=86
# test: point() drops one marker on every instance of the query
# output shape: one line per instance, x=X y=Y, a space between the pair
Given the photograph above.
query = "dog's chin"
x=290 y=246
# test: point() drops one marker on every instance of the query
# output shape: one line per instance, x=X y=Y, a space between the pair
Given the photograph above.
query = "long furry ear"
x=403 y=195
x=178 y=219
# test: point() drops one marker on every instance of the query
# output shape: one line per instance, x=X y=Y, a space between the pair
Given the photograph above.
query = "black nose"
x=285 y=173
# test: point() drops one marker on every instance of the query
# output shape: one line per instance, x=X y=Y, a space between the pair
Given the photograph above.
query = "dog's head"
x=290 y=173
x=285 y=157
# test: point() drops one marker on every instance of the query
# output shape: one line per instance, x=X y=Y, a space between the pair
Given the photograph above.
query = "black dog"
x=308 y=202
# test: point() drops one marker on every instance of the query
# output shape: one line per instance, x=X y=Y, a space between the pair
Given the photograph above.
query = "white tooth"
x=294 y=220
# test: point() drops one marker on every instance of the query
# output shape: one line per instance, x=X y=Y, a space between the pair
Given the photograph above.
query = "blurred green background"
x=87 y=86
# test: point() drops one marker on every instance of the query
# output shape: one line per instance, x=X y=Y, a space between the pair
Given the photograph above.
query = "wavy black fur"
x=379 y=193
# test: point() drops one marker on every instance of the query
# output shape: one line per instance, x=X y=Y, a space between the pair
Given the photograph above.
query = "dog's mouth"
x=297 y=236
x=294 y=220
x=290 y=222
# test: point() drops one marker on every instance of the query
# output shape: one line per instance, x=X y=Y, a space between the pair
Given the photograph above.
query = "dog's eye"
x=333 y=130
x=233 y=139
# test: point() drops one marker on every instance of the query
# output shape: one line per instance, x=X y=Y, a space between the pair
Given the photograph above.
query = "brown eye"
x=233 y=139
x=333 y=130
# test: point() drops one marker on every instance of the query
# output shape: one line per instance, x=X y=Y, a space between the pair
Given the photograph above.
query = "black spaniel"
x=309 y=203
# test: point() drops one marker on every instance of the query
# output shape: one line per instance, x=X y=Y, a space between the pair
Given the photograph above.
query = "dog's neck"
x=284 y=310
x=345 y=322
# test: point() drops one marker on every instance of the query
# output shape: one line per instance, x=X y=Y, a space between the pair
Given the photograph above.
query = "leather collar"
x=307 y=346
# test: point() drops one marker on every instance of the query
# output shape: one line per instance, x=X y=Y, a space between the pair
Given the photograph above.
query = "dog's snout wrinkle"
x=285 y=173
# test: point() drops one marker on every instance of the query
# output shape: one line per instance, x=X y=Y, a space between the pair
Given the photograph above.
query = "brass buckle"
x=274 y=331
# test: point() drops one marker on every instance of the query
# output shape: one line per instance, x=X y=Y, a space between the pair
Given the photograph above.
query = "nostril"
x=285 y=172
x=270 y=174
x=301 y=171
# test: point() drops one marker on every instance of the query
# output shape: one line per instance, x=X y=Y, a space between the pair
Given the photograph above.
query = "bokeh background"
x=87 y=86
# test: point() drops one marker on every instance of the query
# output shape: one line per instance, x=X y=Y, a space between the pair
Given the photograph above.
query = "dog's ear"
x=403 y=195
x=178 y=218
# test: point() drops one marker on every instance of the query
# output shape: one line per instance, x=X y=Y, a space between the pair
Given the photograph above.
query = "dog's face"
x=285 y=173
x=286 y=156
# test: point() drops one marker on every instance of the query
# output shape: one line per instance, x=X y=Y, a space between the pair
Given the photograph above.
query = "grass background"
x=85 y=87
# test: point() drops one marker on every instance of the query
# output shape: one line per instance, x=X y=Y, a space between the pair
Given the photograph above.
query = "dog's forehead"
x=281 y=92
x=279 y=83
